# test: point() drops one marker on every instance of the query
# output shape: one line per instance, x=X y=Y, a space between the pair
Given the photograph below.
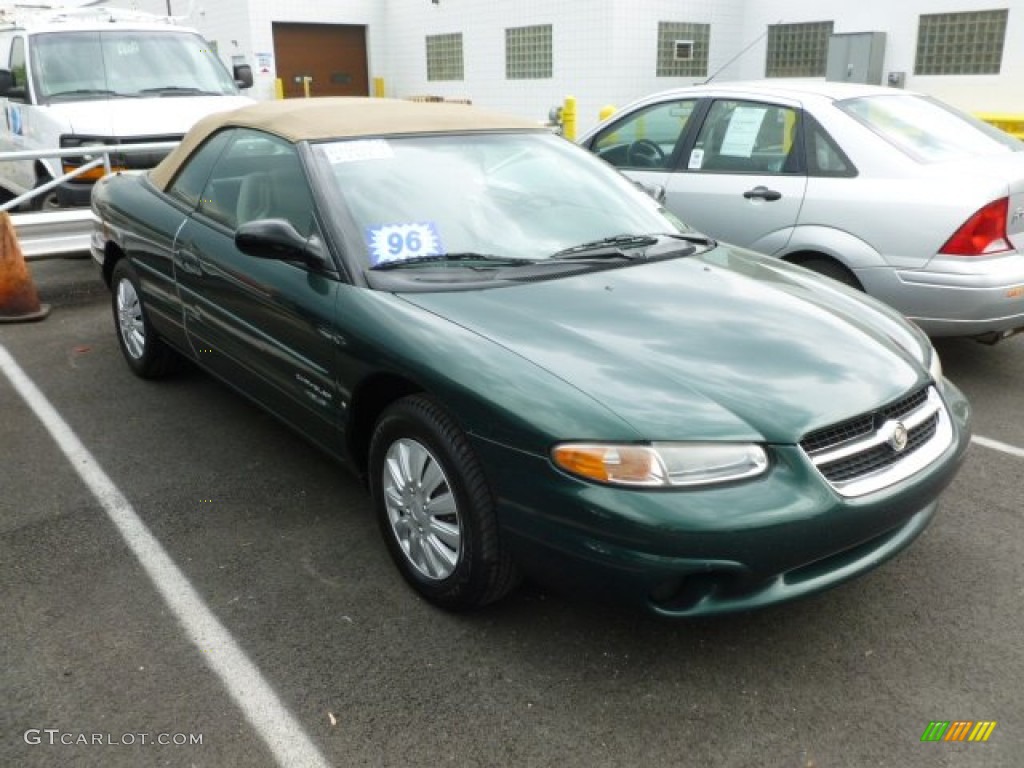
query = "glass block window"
x=682 y=49
x=444 y=57
x=960 y=43
x=528 y=52
x=797 y=50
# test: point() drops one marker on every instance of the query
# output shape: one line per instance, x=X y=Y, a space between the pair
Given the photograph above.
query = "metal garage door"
x=333 y=56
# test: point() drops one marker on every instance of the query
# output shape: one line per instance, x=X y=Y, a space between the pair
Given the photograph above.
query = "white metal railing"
x=60 y=232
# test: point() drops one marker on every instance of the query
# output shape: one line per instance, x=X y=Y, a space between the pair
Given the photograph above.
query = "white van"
x=90 y=76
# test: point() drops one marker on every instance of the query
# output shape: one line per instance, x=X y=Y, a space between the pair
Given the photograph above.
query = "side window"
x=258 y=177
x=17 y=66
x=824 y=157
x=645 y=139
x=748 y=137
x=190 y=180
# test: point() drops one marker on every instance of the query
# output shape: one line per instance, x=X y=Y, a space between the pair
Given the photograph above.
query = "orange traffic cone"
x=19 y=301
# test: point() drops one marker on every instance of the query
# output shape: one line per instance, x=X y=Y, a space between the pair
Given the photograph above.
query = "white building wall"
x=604 y=50
x=899 y=20
x=578 y=43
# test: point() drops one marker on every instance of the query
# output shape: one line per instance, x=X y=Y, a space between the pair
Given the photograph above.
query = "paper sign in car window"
x=402 y=242
x=696 y=159
x=744 y=125
x=355 y=151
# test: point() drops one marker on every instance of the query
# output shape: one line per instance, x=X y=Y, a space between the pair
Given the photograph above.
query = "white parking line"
x=265 y=712
x=995 y=445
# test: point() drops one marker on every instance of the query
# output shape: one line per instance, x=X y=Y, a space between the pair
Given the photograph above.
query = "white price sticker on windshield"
x=360 y=149
x=402 y=242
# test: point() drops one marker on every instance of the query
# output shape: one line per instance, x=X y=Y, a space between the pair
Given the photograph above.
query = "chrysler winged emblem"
x=895 y=434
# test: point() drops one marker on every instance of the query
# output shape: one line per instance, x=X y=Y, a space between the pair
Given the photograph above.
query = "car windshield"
x=84 y=65
x=499 y=197
x=927 y=130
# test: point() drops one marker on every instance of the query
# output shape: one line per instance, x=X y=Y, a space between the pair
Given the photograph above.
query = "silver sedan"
x=889 y=191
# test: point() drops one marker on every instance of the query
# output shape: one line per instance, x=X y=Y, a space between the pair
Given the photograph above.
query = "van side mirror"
x=9 y=86
x=243 y=75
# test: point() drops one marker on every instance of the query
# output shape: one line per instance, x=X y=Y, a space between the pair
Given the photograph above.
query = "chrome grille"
x=879 y=457
x=851 y=429
x=857 y=456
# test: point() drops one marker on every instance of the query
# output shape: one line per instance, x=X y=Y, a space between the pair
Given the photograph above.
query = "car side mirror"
x=243 y=75
x=655 y=191
x=278 y=239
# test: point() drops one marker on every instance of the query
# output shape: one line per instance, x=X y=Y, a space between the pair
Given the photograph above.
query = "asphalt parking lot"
x=264 y=625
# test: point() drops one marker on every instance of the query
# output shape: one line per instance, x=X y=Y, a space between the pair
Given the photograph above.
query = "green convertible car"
x=534 y=367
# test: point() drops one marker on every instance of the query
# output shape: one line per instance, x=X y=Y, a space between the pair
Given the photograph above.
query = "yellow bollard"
x=1012 y=124
x=378 y=87
x=606 y=111
x=569 y=118
x=278 y=88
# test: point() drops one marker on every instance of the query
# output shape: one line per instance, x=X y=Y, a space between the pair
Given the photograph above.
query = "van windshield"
x=86 y=65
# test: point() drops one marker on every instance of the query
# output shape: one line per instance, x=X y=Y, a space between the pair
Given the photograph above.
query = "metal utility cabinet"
x=856 y=57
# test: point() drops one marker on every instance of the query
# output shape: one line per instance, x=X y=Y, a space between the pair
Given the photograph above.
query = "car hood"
x=728 y=345
x=142 y=117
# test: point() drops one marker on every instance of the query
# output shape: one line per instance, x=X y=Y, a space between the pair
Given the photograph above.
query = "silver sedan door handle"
x=762 y=193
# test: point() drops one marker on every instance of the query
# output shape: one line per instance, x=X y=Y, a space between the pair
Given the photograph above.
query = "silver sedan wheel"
x=421 y=509
x=129 y=319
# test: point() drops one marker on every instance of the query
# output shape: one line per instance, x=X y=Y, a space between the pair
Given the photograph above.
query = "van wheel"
x=47 y=201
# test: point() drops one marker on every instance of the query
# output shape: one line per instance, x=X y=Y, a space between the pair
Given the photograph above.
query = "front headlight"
x=661 y=464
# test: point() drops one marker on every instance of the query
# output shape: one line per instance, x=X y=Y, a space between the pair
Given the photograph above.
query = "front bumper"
x=955 y=295
x=721 y=550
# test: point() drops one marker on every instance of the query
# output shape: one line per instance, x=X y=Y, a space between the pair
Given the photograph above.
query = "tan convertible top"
x=338 y=118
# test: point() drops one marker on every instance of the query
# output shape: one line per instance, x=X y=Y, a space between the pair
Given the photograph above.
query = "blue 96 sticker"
x=401 y=242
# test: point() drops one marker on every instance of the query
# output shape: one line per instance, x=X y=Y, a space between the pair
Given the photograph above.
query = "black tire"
x=831 y=268
x=455 y=573
x=47 y=201
x=143 y=349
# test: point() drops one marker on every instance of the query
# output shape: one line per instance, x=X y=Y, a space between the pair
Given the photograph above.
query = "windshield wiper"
x=606 y=247
x=487 y=260
x=90 y=92
x=634 y=248
x=177 y=90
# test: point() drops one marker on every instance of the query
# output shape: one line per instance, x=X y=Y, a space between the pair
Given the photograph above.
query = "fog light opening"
x=680 y=593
